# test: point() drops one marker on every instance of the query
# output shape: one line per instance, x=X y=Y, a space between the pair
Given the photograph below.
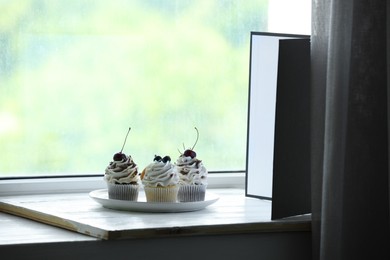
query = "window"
x=75 y=75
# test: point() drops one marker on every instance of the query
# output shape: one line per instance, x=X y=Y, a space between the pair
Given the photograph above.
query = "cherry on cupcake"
x=189 y=153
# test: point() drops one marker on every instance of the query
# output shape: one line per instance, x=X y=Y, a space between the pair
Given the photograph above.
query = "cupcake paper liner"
x=123 y=191
x=189 y=193
x=161 y=194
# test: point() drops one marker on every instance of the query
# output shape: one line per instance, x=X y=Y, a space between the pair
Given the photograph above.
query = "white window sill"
x=245 y=231
x=217 y=228
x=233 y=213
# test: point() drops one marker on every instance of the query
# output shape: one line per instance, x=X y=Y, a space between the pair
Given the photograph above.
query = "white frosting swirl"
x=191 y=171
x=160 y=173
x=122 y=172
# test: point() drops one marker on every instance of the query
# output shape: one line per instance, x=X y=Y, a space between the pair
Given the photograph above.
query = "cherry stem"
x=197 y=137
x=125 y=139
x=196 y=141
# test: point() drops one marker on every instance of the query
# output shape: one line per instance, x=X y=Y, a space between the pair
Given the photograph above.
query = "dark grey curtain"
x=350 y=129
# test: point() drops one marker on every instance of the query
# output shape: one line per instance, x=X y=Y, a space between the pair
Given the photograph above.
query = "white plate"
x=101 y=196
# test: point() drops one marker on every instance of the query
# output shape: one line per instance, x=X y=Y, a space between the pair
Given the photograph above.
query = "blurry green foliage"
x=74 y=75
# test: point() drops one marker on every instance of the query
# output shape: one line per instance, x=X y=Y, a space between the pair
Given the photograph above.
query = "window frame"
x=83 y=183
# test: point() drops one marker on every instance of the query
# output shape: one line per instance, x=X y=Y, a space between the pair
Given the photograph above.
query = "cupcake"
x=122 y=177
x=160 y=180
x=192 y=176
